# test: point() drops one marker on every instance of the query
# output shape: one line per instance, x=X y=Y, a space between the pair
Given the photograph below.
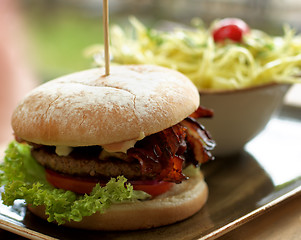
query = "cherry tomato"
x=230 y=28
x=83 y=185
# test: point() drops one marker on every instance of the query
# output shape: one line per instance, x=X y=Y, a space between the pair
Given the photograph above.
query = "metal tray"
x=241 y=187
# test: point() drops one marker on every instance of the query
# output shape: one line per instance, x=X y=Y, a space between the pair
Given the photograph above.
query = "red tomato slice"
x=230 y=28
x=153 y=188
x=82 y=185
x=69 y=183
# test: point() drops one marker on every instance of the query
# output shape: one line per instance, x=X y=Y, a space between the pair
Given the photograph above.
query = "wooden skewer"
x=105 y=10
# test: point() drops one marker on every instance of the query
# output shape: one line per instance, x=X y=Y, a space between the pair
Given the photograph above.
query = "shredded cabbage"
x=259 y=59
x=24 y=178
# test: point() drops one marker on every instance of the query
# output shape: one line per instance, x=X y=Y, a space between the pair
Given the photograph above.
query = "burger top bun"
x=89 y=108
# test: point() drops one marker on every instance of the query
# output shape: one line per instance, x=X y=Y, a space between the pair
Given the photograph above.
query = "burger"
x=109 y=152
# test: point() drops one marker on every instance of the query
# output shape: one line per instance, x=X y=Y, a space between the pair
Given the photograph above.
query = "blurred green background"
x=58 y=37
x=61 y=30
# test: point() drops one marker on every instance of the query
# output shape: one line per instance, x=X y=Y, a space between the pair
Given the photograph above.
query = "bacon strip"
x=165 y=153
x=162 y=153
x=199 y=140
x=202 y=112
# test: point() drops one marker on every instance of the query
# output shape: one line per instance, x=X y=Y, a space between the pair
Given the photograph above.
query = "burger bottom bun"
x=179 y=203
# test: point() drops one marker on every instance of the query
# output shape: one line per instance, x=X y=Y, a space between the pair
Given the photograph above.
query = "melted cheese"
x=122 y=146
x=104 y=155
x=119 y=147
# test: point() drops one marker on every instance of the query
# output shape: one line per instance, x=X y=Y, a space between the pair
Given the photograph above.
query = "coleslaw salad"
x=258 y=59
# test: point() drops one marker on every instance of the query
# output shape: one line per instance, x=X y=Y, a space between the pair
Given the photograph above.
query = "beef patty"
x=87 y=165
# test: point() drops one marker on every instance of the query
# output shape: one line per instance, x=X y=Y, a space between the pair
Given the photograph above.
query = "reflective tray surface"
x=241 y=187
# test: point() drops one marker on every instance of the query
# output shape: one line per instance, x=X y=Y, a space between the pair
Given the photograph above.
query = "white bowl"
x=239 y=115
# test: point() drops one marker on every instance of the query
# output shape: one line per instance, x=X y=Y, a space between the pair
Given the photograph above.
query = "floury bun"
x=116 y=152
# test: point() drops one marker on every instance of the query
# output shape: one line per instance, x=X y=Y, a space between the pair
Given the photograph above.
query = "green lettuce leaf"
x=24 y=178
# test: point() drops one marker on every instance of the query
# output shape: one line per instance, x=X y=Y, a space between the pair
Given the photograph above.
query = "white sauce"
x=63 y=150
